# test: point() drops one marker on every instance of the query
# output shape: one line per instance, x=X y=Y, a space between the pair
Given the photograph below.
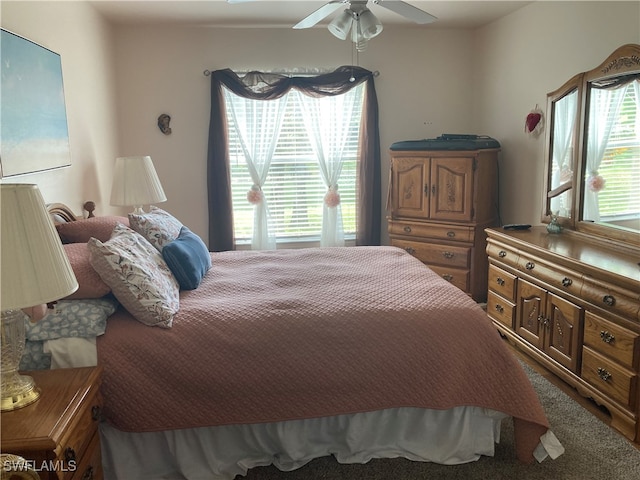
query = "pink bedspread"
x=289 y=334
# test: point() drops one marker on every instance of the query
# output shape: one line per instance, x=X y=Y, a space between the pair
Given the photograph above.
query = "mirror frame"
x=624 y=60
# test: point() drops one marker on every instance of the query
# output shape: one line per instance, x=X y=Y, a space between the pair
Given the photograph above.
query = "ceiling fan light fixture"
x=369 y=24
x=341 y=25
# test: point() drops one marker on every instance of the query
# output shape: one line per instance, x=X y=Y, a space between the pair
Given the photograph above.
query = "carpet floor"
x=594 y=451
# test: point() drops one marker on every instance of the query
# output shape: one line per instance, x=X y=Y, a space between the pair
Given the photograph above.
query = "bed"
x=279 y=357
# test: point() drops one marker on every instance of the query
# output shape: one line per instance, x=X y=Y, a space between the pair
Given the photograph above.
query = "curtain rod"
x=206 y=73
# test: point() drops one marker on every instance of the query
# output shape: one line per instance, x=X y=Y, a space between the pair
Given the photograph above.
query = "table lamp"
x=35 y=270
x=136 y=183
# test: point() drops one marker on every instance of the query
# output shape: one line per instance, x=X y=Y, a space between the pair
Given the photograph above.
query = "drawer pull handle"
x=433 y=189
x=499 y=308
x=607 y=337
x=95 y=413
x=603 y=374
x=451 y=234
x=566 y=282
x=69 y=455
x=530 y=266
x=448 y=254
x=88 y=474
x=448 y=277
x=609 y=300
x=407 y=229
x=500 y=281
x=410 y=250
x=502 y=254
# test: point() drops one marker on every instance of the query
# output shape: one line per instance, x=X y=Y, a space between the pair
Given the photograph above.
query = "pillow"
x=82 y=230
x=90 y=285
x=138 y=276
x=73 y=318
x=188 y=259
x=157 y=226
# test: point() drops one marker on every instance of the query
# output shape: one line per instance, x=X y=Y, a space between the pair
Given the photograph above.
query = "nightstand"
x=58 y=434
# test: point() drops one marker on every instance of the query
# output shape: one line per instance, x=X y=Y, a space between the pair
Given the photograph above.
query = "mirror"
x=563 y=105
x=592 y=178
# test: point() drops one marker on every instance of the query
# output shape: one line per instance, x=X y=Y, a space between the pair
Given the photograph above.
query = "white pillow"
x=157 y=226
x=138 y=276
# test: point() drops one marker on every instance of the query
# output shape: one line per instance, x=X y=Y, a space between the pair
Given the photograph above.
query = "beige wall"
x=524 y=56
x=118 y=79
x=84 y=41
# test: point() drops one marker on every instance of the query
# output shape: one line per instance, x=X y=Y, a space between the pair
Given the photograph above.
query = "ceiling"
x=286 y=13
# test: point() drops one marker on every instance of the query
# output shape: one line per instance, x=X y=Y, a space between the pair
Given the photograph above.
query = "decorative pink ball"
x=595 y=183
x=254 y=196
x=332 y=198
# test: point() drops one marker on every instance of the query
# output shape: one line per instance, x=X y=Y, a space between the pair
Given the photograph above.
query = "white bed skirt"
x=455 y=436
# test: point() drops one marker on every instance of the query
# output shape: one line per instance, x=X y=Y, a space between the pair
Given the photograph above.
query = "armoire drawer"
x=458 y=277
x=500 y=309
x=614 y=341
x=436 y=254
x=609 y=377
x=453 y=233
x=502 y=282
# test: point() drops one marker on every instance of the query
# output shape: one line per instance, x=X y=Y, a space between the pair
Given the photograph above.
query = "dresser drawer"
x=611 y=298
x=436 y=254
x=502 y=253
x=614 y=341
x=502 y=282
x=459 y=278
x=500 y=309
x=609 y=377
x=564 y=280
x=454 y=233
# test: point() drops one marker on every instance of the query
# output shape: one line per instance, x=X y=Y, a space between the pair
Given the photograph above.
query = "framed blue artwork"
x=34 y=135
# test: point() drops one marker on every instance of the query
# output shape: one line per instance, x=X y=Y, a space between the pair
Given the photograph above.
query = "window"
x=619 y=200
x=293 y=183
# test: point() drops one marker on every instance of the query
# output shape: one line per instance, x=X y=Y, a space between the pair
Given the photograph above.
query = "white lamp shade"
x=35 y=268
x=135 y=182
x=369 y=24
x=341 y=25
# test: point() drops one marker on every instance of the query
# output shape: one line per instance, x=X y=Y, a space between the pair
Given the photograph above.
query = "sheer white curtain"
x=328 y=120
x=565 y=118
x=603 y=110
x=258 y=124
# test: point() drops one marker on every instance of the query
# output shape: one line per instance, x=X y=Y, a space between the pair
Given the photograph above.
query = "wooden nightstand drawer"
x=59 y=432
x=609 y=377
x=612 y=340
x=500 y=309
x=435 y=254
x=90 y=468
x=502 y=282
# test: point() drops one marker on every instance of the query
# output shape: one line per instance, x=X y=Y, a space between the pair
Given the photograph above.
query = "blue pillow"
x=188 y=259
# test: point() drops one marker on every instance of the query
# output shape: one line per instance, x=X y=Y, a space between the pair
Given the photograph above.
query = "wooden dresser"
x=572 y=302
x=440 y=203
x=58 y=435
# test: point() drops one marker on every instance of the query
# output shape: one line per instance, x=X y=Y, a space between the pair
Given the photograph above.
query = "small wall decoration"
x=163 y=124
x=33 y=128
x=534 y=123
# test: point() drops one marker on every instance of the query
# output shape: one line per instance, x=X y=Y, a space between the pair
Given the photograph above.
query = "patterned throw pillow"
x=90 y=285
x=82 y=230
x=138 y=276
x=157 y=226
x=73 y=318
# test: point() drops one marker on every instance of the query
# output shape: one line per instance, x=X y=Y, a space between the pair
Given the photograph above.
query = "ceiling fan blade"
x=320 y=14
x=406 y=10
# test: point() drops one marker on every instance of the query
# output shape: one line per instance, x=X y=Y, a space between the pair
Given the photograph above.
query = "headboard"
x=60 y=213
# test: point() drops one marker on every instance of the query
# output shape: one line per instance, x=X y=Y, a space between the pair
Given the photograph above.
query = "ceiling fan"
x=356 y=14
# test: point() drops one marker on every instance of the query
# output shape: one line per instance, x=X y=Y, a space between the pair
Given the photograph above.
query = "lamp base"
x=18 y=391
